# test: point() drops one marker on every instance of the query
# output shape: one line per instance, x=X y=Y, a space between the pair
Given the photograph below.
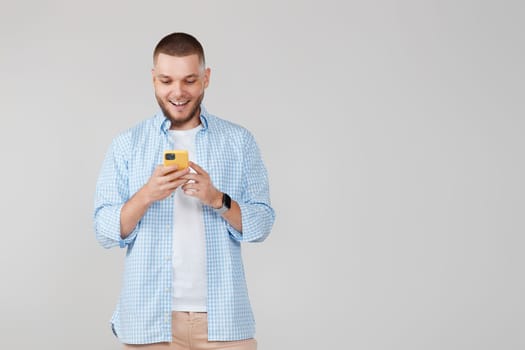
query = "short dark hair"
x=179 y=45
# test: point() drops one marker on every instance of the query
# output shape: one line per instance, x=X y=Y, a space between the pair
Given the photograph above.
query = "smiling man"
x=184 y=284
x=179 y=86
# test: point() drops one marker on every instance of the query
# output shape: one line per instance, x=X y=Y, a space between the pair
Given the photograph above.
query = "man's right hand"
x=163 y=181
x=160 y=185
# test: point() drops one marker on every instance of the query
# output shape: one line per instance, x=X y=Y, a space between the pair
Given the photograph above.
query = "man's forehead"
x=179 y=66
x=165 y=59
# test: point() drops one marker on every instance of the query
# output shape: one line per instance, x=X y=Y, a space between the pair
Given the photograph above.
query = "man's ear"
x=207 y=74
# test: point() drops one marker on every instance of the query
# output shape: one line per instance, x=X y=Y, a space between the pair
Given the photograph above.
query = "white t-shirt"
x=189 y=242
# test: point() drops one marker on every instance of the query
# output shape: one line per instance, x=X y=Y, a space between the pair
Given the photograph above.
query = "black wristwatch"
x=226 y=204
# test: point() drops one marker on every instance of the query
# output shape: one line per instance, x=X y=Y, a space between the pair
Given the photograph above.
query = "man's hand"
x=199 y=185
x=163 y=181
x=160 y=185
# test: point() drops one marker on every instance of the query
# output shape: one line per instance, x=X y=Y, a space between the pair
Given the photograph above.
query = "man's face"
x=179 y=84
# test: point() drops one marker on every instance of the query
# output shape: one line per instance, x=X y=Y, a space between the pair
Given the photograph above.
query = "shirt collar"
x=164 y=124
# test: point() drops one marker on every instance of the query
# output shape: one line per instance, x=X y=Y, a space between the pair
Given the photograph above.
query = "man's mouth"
x=179 y=103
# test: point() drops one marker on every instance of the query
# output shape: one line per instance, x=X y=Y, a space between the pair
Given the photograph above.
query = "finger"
x=192 y=176
x=197 y=168
x=191 y=192
x=177 y=174
x=167 y=169
x=158 y=170
x=171 y=186
x=190 y=186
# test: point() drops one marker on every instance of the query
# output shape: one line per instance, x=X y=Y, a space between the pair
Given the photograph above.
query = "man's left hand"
x=202 y=187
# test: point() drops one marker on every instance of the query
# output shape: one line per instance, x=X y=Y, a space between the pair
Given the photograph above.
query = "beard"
x=179 y=122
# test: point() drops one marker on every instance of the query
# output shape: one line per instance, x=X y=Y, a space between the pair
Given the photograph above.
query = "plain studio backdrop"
x=393 y=132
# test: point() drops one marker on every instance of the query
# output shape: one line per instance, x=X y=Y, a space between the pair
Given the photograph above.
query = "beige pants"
x=190 y=332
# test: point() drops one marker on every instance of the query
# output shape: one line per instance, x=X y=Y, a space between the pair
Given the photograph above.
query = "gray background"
x=392 y=131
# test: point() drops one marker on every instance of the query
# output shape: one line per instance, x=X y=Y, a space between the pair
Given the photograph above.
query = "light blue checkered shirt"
x=230 y=155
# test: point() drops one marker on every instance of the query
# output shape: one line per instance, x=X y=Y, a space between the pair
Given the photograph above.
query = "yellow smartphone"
x=176 y=156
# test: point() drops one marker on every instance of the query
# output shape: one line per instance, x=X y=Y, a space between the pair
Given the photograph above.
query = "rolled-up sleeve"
x=112 y=192
x=257 y=214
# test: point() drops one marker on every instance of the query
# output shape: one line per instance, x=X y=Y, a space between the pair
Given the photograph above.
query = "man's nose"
x=176 y=89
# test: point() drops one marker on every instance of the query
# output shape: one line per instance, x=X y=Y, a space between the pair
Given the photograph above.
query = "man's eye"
x=165 y=82
x=190 y=81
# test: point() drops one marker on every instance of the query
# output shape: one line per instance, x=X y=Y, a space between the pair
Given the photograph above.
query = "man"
x=184 y=284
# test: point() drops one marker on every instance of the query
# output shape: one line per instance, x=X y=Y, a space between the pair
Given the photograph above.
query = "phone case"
x=177 y=156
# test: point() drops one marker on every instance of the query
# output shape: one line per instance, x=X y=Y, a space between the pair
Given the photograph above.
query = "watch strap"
x=226 y=204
